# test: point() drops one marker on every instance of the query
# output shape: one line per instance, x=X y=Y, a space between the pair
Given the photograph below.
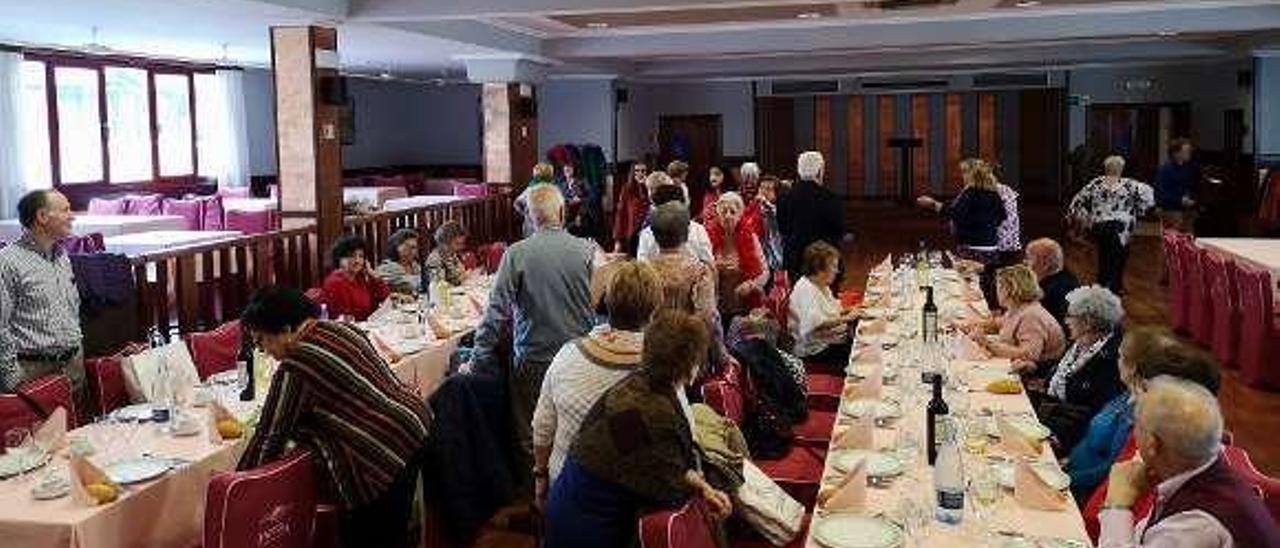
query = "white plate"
x=863 y=370
x=135 y=412
x=1048 y=472
x=854 y=531
x=1026 y=424
x=52 y=487
x=137 y=470
x=879 y=465
x=884 y=409
x=12 y=464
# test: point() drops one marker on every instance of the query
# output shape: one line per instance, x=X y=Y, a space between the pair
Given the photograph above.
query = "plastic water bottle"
x=948 y=481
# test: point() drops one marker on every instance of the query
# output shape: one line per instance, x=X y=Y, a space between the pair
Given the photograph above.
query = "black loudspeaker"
x=333 y=90
x=526 y=107
x=621 y=95
x=1244 y=79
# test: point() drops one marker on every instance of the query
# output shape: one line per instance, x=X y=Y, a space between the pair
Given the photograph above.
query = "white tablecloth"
x=411 y=202
x=249 y=204
x=373 y=195
x=107 y=225
x=160 y=240
x=1259 y=252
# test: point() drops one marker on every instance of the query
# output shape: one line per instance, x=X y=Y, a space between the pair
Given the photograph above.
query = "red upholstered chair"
x=190 y=211
x=1268 y=488
x=1199 y=309
x=492 y=256
x=33 y=400
x=143 y=205
x=1175 y=244
x=1224 y=304
x=779 y=298
x=273 y=505
x=215 y=351
x=1259 y=337
x=105 y=378
x=105 y=206
x=688 y=527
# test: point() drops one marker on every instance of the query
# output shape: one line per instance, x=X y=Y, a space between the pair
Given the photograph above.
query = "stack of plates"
x=854 y=531
x=22 y=461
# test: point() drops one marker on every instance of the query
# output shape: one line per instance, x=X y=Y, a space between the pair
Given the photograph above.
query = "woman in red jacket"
x=352 y=289
x=739 y=257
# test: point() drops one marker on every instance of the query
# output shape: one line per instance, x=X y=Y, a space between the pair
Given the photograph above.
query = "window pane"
x=209 y=104
x=129 y=124
x=79 y=126
x=34 y=124
x=173 y=113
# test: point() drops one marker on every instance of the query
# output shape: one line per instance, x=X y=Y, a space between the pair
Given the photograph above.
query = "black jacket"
x=1089 y=389
x=1055 y=287
x=806 y=214
x=976 y=214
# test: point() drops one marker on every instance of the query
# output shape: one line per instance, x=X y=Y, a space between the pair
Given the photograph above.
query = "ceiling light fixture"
x=1167 y=33
x=808 y=15
x=1027 y=3
x=597 y=25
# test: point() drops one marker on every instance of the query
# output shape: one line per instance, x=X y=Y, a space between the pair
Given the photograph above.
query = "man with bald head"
x=1045 y=258
x=542 y=296
x=1200 y=501
x=39 y=305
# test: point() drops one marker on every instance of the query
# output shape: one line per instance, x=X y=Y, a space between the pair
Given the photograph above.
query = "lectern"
x=905 y=146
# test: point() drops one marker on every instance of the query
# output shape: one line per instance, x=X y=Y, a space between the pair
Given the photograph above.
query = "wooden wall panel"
x=920 y=157
x=988 y=144
x=856 y=124
x=885 y=117
x=822 y=127
x=954 y=119
x=775 y=135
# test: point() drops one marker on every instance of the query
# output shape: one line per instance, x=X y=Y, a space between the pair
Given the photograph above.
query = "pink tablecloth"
x=162 y=240
x=411 y=202
x=107 y=225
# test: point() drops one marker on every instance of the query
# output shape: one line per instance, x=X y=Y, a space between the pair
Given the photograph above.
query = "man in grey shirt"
x=39 y=304
x=543 y=293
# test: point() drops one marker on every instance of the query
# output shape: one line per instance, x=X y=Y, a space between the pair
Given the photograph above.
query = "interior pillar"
x=308 y=92
x=510 y=133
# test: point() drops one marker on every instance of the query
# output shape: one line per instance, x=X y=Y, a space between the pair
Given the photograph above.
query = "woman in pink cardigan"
x=1028 y=334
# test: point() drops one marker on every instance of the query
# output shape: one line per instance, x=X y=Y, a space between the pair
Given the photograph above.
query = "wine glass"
x=985 y=493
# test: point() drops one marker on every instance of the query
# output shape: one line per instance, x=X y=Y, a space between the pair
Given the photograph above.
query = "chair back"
x=249 y=222
x=1257 y=336
x=191 y=212
x=107 y=206
x=686 y=527
x=492 y=256
x=215 y=351
x=105 y=379
x=1224 y=304
x=778 y=301
x=724 y=391
x=273 y=506
x=1199 y=308
x=1268 y=488
x=145 y=204
x=33 y=401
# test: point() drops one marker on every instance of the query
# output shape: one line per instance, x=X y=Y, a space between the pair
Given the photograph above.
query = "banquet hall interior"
x=422 y=273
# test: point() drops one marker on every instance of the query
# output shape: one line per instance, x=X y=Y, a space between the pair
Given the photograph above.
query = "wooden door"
x=694 y=139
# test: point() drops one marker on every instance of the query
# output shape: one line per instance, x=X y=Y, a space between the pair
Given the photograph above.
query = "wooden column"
x=510 y=133
x=308 y=148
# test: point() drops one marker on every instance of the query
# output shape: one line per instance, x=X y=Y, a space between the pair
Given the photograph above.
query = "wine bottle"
x=929 y=317
x=936 y=416
x=245 y=356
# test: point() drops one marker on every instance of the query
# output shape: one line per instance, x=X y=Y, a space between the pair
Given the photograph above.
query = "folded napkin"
x=859 y=434
x=1015 y=442
x=869 y=354
x=85 y=474
x=850 y=494
x=384 y=346
x=871 y=386
x=873 y=327
x=52 y=435
x=1031 y=491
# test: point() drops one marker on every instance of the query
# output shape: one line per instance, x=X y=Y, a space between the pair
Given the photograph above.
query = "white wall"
x=1267 y=119
x=396 y=123
x=638 y=118
x=576 y=111
x=1210 y=88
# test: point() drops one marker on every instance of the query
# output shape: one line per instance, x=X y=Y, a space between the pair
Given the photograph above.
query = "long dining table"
x=886 y=346
x=168 y=511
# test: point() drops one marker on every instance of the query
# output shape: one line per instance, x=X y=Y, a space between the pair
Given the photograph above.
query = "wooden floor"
x=1253 y=416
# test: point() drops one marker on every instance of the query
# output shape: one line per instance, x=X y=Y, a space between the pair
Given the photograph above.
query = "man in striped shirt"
x=334 y=395
x=39 y=305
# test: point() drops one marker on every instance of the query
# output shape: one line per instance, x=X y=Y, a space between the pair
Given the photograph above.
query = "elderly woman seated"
x=588 y=366
x=401 y=268
x=634 y=452
x=1028 y=334
x=351 y=289
x=740 y=260
x=444 y=263
x=1087 y=376
x=818 y=322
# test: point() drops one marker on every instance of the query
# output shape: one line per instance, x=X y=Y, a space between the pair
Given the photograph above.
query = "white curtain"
x=12 y=175
x=233 y=135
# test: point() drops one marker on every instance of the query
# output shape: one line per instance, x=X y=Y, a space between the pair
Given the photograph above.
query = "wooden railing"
x=198 y=287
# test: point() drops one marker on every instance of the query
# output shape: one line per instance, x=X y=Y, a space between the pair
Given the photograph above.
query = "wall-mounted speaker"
x=333 y=90
x=621 y=95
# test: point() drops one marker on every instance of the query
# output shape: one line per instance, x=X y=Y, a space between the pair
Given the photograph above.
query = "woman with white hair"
x=1108 y=208
x=748 y=180
x=1088 y=375
x=740 y=260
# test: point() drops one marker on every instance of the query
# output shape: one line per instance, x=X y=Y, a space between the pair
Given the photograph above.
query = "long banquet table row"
x=165 y=474
x=1015 y=491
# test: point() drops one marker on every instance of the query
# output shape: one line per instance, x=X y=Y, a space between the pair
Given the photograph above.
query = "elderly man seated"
x=1044 y=256
x=1201 y=501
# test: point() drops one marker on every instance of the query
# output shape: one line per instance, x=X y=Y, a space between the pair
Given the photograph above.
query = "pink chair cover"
x=107 y=206
x=276 y=502
x=191 y=211
x=1224 y=304
x=478 y=190
x=215 y=351
x=1175 y=244
x=1200 y=311
x=1259 y=338
x=688 y=527
x=212 y=212
x=143 y=205
x=249 y=222
x=233 y=192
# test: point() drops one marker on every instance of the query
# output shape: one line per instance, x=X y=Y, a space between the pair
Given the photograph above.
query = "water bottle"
x=324 y=311
x=948 y=481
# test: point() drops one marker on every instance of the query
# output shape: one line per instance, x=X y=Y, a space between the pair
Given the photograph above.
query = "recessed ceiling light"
x=597 y=25
x=1167 y=33
x=1027 y=3
x=808 y=15
x=385 y=75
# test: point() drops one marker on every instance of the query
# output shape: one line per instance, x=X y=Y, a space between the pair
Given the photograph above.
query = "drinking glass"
x=985 y=493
